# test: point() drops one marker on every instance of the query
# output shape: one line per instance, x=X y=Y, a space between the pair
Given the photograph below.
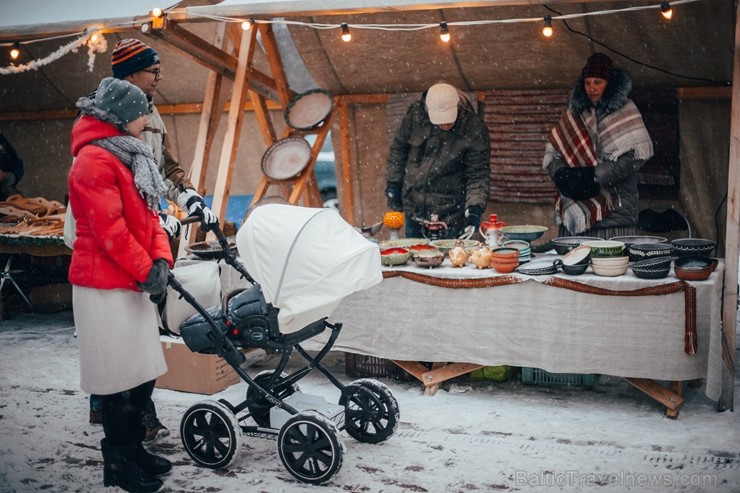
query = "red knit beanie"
x=598 y=65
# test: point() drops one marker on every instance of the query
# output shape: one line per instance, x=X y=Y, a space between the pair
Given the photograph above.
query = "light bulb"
x=547 y=28
x=666 y=10
x=247 y=24
x=444 y=33
x=15 y=51
x=157 y=12
x=346 y=35
x=94 y=38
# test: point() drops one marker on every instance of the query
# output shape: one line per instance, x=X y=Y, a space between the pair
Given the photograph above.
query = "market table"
x=35 y=245
x=642 y=330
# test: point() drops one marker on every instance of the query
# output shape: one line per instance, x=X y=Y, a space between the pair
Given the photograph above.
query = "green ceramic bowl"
x=605 y=248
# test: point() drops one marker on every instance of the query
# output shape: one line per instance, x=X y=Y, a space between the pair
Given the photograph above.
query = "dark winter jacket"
x=616 y=175
x=442 y=172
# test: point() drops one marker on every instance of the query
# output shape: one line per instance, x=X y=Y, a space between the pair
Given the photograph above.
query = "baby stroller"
x=301 y=263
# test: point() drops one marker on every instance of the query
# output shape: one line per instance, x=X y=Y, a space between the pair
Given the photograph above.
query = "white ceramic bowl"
x=611 y=271
x=610 y=261
x=578 y=255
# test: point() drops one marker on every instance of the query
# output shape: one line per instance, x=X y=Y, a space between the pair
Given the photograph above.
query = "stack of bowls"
x=607 y=257
x=564 y=244
x=576 y=261
x=505 y=260
x=652 y=268
x=525 y=250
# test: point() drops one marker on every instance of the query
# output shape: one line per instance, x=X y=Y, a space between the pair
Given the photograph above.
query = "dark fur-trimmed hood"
x=615 y=95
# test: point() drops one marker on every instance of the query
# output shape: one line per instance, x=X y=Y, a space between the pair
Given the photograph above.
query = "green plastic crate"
x=537 y=376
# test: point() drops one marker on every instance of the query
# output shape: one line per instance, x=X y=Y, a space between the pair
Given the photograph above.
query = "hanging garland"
x=96 y=44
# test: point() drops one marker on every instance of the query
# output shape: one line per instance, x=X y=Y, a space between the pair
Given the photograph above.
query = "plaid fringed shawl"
x=571 y=139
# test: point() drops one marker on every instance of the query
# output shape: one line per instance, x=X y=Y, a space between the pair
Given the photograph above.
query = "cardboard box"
x=194 y=372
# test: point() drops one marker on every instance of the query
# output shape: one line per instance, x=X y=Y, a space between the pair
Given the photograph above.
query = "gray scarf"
x=138 y=156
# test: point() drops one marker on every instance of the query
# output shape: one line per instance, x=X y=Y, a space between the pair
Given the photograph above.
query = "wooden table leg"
x=439 y=373
x=671 y=399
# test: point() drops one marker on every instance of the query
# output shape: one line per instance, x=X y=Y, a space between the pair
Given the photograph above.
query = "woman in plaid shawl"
x=594 y=153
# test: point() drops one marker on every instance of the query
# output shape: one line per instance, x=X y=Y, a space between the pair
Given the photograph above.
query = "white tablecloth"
x=538 y=325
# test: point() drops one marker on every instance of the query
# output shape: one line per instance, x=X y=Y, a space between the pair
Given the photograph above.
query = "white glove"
x=468 y=232
x=190 y=201
x=170 y=224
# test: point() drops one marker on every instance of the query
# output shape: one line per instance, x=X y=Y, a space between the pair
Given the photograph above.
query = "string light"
x=157 y=12
x=666 y=10
x=247 y=24
x=547 y=28
x=444 y=33
x=15 y=51
x=346 y=35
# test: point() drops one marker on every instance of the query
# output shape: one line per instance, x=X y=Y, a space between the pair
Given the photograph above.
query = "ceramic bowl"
x=403 y=242
x=539 y=268
x=572 y=270
x=526 y=232
x=608 y=271
x=692 y=274
x=422 y=247
x=505 y=253
x=564 y=244
x=693 y=246
x=605 y=248
x=447 y=245
x=610 y=261
x=579 y=255
x=652 y=268
x=642 y=251
x=505 y=266
x=696 y=262
x=636 y=240
x=430 y=258
x=521 y=245
x=394 y=256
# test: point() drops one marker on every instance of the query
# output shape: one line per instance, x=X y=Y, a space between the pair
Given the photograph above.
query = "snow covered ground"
x=469 y=437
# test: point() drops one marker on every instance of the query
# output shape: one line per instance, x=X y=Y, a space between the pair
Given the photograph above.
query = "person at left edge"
x=119 y=267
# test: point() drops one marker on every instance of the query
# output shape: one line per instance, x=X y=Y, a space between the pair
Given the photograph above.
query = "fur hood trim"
x=614 y=97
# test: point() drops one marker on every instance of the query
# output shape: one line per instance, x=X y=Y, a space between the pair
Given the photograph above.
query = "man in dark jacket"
x=439 y=163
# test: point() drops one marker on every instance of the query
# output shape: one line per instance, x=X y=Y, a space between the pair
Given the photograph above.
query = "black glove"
x=393 y=192
x=576 y=183
x=156 y=281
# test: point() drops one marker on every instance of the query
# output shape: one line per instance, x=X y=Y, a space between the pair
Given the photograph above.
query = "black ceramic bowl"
x=683 y=247
x=642 y=251
x=572 y=270
x=652 y=268
x=564 y=244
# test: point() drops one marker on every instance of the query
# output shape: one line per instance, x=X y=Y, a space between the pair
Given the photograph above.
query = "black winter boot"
x=153 y=464
x=121 y=469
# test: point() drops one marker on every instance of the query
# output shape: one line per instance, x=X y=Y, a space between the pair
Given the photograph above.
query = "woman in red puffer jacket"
x=119 y=266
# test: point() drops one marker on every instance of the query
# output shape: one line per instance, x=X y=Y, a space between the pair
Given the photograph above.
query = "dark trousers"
x=122 y=413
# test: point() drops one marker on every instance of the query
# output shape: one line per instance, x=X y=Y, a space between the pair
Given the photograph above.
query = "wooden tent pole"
x=234 y=125
x=348 y=202
x=732 y=243
x=206 y=130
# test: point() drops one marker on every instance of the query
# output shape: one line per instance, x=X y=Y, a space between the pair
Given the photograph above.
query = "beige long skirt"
x=118 y=337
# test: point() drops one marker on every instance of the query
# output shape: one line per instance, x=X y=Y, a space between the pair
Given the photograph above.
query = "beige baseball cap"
x=442 y=100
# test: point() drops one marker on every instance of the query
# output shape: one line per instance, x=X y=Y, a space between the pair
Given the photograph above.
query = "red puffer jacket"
x=118 y=236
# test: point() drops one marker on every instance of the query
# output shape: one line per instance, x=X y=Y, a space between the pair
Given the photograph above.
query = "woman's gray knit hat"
x=116 y=101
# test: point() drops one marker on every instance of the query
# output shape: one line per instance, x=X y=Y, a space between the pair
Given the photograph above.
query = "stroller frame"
x=309 y=443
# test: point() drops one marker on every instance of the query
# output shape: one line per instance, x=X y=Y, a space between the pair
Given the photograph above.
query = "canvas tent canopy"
x=379 y=72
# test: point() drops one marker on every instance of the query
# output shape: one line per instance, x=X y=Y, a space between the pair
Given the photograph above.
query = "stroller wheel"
x=211 y=434
x=371 y=412
x=311 y=447
x=260 y=409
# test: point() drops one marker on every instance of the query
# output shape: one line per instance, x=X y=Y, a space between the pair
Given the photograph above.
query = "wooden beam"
x=347 y=204
x=263 y=118
x=197 y=48
x=732 y=238
x=704 y=93
x=234 y=125
x=209 y=118
x=276 y=64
